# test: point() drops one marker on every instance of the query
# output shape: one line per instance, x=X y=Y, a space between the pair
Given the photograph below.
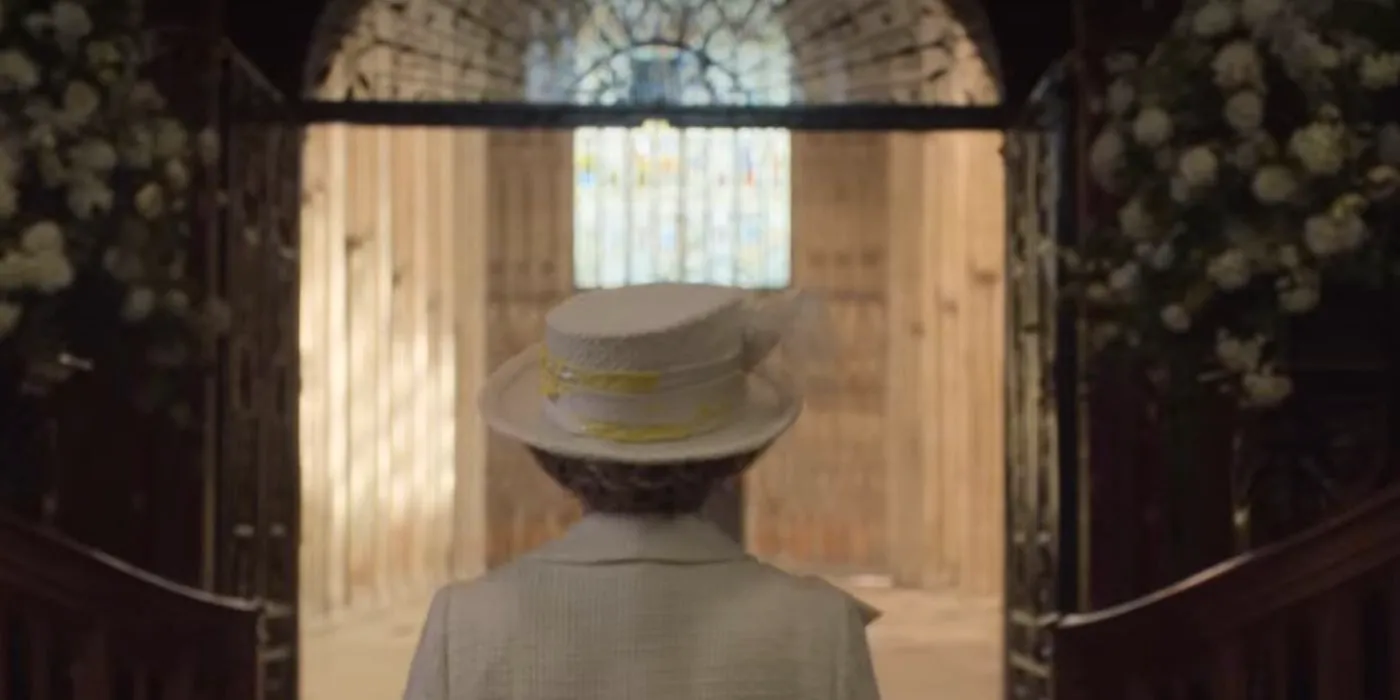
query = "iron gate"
x=1041 y=384
x=857 y=67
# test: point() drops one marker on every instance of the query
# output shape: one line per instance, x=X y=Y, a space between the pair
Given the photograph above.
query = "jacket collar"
x=610 y=539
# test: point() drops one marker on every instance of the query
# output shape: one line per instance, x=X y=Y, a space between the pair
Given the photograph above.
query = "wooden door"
x=529 y=270
x=817 y=501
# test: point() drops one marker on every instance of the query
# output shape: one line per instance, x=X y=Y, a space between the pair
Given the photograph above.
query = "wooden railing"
x=1316 y=617
x=76 y=624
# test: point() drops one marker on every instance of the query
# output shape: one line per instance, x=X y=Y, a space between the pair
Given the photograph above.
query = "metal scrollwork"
x=1037 y=172
x=258 y=477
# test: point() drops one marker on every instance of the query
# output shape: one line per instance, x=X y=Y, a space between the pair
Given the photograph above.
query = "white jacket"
x=624 y=608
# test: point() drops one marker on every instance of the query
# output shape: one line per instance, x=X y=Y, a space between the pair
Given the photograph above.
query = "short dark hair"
x=679 y=488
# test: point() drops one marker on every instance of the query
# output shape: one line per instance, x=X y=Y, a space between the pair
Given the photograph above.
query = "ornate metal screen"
x=257 y=518
x=1040 y=379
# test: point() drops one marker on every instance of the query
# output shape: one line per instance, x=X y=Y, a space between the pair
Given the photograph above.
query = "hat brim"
x=512 y=404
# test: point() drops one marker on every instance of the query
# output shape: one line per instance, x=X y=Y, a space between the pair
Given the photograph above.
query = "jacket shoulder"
x=818 y=593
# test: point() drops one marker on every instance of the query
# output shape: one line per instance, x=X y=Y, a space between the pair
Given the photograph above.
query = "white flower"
x=1388 y=144
x=1288 y=257
x=52 y=172
x=10 y=314
x=50 y=272
x=1325 y=56
x=1328 y=235
x=14 y=271
x=1229 y=270
x=42 y=136
x=1120 y=96
x=1120 y=62
x=1256 y=12
x=139 y=304
x=103 y=54
x=177 y=301
x=1134 y=220
x=89 y=196
x=80 y=101
x=207 y=146
x=1161 y=257
x=1213 y=19
x=41 y=238
x=150 y=201
x=1379 y=71
x=38 y=23
x=217 y=316
x=1264 y=388
x=1180 y=190
x=1238 y=354
x=94 y=155
x=1299 y=298
x=137 y=148
x=9 y=200
x=1153 y=127
x=1238 y=66
x=122 y=266
x=145 y=97
x=1320 y=147
x=1106 y=159
x=70 y=20
x=1274 y=184
x=1097 y=293
x=1250 y=152
x=1125 y=278
x=17 y=72
x=177 y=175
x=1244 y=111
x=1102 y=334
x=11 y=159
x=1176 y=318
x=1198 y=167
x=171 y=139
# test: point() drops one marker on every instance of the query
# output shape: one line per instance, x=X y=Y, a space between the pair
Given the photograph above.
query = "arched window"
x=655 y=203
x=697 y=205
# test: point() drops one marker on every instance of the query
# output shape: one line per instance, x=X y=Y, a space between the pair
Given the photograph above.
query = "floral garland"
x=1254 y=167
x=96 y=180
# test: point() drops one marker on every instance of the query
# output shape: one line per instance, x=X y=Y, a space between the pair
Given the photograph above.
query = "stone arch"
x=406 y=50
x=896 y=51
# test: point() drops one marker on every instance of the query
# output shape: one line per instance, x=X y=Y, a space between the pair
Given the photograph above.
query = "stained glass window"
x=656 y=203
x=659 y=204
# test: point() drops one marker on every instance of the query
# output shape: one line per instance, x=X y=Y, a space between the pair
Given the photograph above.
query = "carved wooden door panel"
x=256 y=519
x=1040 y=391
x=529 y=269
x=817 y=501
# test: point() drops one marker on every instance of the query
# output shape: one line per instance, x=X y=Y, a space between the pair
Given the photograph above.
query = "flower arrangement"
x=96 y=185
x=1253 y=156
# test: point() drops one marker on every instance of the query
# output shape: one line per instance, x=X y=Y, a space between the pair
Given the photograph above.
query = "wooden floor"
x=928 y=645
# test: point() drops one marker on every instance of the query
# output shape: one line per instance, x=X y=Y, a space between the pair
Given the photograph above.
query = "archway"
x=424 y=272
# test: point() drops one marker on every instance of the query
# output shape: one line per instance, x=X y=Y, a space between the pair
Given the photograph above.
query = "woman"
x=640 y=402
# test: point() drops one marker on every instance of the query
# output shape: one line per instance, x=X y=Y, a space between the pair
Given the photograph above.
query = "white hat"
x=645 y=375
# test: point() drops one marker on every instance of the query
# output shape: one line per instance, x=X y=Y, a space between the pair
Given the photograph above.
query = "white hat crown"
x=650 y=374
x=652 y=327
x=650 y=363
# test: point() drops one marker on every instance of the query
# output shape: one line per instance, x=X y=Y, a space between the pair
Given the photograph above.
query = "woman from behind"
x=640 y=402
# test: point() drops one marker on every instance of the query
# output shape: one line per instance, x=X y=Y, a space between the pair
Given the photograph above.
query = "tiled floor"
x=928 y=645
